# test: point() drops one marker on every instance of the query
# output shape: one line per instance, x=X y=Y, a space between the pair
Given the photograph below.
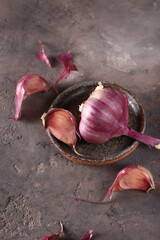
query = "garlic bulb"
x=104 y=115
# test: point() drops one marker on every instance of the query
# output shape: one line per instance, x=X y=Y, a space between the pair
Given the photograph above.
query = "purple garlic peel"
x=54 y=236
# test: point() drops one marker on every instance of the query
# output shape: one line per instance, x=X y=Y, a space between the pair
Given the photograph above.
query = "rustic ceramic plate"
x=110 y=151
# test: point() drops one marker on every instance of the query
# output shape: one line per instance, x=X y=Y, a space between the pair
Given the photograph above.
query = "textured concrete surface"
x=112 y=40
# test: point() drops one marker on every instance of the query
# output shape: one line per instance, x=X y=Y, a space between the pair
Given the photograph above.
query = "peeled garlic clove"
x=132 y=177
x=42 y=55
x=88 y=235
x=54 y=236
x=28 y=85
x=61 y=124
x=67 y=61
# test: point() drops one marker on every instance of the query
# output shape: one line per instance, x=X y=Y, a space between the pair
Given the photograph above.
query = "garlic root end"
x=43 y=118
x=157 y=146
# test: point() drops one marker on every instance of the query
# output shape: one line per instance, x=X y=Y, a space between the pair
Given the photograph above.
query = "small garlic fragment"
x=80 y=107
x=99 y=87
x=42 y=55
x=66 y=60
x=54 y=236
x=88 y=235
x=132 y=177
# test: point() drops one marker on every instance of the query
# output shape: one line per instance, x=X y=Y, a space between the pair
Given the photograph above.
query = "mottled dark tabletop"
x=117 y=41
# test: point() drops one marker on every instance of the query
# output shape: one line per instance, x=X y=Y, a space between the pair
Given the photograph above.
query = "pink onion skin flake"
x=88 y=235
x=42 y=55
x=66 y=60
x=28 y=84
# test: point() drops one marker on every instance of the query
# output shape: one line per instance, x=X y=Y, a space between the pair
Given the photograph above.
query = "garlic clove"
x=54 y=236
x=67 y=61
x=132 y=177
x=62 y=125
x=28 y=85
x=42 y=55
x=88 y=235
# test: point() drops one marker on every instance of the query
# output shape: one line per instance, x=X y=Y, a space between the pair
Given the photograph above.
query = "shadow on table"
x=35 y=105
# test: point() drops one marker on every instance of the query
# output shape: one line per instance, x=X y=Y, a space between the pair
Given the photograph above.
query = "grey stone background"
x=112 y=40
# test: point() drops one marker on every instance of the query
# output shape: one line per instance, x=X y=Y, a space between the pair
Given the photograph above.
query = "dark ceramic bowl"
x=98 y=154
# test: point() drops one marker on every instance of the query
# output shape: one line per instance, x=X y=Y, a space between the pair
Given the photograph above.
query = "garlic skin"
x=28 y=84
x=132 y=177
x=66 y=60
x=104 y=115
x=54 y=236
x=88 y=235
x=42 y=55
x=62 y=125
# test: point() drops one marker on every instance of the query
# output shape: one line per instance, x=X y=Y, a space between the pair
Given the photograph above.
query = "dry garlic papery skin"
x=54 y=236
x=62 y=125
x=88 y=235
x=104 y=115
x=132 y=177
x=42 y=55
x=28 y=85
x=66 y=60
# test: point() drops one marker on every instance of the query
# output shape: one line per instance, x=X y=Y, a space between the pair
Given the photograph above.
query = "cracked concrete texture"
x=113 y=40
x=17 y=215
